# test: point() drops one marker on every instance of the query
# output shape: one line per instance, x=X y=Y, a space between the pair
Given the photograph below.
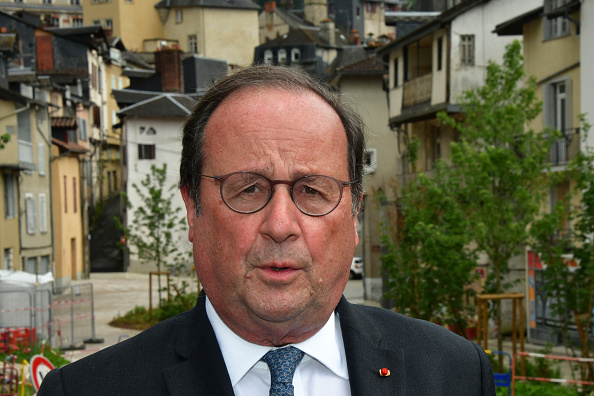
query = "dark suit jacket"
x=181 y=356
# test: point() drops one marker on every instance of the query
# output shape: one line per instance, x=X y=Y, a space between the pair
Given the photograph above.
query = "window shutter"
x=42 y=213
x=41 y=158
x=31 y=214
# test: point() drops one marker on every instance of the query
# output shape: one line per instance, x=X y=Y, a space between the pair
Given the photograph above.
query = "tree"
x=499 y=162
x=570 y=288
x=156 y=223
x=429 y=264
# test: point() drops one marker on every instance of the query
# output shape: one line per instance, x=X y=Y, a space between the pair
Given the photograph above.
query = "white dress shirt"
x=322 y=371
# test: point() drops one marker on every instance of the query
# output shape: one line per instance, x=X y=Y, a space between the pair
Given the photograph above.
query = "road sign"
x=39 y=367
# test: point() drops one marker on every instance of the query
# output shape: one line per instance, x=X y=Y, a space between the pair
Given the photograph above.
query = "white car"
x=356 y=268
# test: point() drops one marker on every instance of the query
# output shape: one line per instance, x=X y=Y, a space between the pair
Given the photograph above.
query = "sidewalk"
x=116 y=293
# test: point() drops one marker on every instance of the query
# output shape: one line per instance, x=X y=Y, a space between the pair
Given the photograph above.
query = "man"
x=271 y=175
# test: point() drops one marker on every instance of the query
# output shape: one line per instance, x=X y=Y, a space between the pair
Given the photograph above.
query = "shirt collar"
x=326 y=346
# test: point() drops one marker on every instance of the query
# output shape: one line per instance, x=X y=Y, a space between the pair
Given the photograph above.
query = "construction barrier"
x=29 y=316
x=554 y=380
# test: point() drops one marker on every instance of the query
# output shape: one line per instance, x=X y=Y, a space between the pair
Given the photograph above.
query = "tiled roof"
x=241 y=4
x=366 y=65
x=63 y=122
x=68 y=146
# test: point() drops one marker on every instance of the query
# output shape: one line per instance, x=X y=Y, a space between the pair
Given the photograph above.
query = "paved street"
x=119 y=292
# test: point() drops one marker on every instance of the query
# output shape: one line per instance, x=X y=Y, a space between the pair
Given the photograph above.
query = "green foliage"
x=140 y=319
x=430 y=267
x=156 y=224
x=4 y=138
x=499 y=162
x=539 y=389
x=570 y=288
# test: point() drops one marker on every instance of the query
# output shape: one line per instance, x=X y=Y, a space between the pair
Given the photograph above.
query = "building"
x=360 y=76
x=152 y=112
x=555 y=27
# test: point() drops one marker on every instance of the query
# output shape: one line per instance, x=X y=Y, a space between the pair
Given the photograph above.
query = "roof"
x=87 y=35
x=443 y=19
x=69 y=146
x=410 y=16
x=233 y=4
x=513 y=27
x=7 y=94
x=63 y=122
x=368 y=65
x=292 y=19
x=305 y=35
x=161 y=105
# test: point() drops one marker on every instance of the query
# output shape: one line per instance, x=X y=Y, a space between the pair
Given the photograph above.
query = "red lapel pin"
x=384 y=372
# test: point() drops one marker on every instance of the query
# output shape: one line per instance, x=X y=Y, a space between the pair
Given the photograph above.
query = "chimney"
x=44 y=51
x=270 y=6
x=355 y=38
x=327 y=31
x=315 y=11
x=168 y=63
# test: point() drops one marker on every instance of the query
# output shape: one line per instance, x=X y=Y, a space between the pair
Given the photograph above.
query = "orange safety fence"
x=555 y=380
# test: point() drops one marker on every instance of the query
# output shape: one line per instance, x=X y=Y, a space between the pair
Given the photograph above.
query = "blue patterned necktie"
x=282 y=364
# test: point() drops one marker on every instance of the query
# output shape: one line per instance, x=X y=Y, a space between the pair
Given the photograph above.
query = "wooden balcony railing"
x=417 y=91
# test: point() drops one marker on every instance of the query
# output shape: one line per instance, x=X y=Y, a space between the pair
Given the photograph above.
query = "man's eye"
x=310 y=191
x=251 y=189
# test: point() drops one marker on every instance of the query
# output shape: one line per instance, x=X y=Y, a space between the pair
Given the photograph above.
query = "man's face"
x=281 y=135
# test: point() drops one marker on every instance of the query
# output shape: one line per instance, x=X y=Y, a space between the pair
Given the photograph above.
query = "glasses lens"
x=316 y=195
x=246 y=192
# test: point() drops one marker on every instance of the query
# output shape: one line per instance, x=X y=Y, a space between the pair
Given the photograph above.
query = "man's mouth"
x=278 y=268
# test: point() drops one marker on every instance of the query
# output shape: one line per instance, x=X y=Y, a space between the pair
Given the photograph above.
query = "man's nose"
x=281 y=221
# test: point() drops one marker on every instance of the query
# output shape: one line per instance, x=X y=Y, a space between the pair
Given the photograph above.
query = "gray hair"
x=282 y=78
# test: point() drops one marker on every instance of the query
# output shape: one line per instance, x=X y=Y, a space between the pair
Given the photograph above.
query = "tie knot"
x=282 y=363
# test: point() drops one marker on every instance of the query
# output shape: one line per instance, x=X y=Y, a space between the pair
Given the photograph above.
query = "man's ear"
x=355 y=218
x=190 y=209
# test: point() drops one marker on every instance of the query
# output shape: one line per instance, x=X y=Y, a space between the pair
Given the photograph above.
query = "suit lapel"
x=367 y=353
x=203 y=371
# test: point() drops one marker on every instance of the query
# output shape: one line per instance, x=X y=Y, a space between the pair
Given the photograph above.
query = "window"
x=96 y=22
x=77 y=21
x=295 y=55
x=282 y=56
x=31 y=265
x=331 y=11
x=24 y=136
x=268 y=57
x=9 y=195
x=179 y=15
x=120 y=83
x=114 y=117
x=31 y=213
x=44 y=265
x=358 y=12
x=193 y=44
x=65 y=194
x=151 y=131
x=113 y=82
x=41 y=158
x=371 y=7
x=47 y=1
x=146 y=151
x=467 y=50
x=76 y=2
x=557 y=115
x=439 y=53
x=370 y=160
x=8 y=259
x=109 y=24
x=74 y=195
x=82 y=128
x=555 y=27
x=42 y=213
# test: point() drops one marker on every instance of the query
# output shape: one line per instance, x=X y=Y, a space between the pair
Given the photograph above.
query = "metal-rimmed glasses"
x=249 y=192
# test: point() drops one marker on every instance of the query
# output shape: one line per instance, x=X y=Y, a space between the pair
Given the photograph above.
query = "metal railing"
x=565 y=149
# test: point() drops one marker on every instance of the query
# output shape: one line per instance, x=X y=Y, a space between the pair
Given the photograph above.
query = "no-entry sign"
x=39 y=367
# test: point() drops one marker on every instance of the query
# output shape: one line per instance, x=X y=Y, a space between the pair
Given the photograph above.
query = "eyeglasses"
x=248 y=192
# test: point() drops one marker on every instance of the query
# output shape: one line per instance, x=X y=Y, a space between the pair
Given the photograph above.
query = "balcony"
x=417 y=91
x=565 y=149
